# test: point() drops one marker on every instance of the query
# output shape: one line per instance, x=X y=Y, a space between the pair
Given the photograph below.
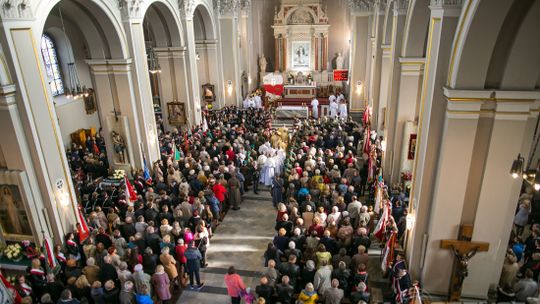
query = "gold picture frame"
x=177 y=113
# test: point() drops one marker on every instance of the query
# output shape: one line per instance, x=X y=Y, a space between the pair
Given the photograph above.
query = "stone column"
x=442 y=26
x=193 y=80
x=359 y=58
x=140 y=84
x=456 y=152
x=115 y=97
x=30 y=115
x=17 y=154
x=497 y=194
x=172 y=81
x=392 y=89
x=376 y=58
x=410 y=88
x=228 y=24
x=276 y=54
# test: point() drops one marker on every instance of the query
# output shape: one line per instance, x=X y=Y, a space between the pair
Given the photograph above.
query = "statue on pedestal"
x=339 y=61
x=119 y=146
x=262 y=63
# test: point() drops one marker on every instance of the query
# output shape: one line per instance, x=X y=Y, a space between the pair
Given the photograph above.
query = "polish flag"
x=131 y=195
x=84 y=232
x=388 y=252
x=383 y=221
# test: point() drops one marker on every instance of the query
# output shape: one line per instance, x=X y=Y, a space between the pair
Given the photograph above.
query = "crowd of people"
x=520 y=277
x=320 y=251
x=323 y=180
x=142 y=250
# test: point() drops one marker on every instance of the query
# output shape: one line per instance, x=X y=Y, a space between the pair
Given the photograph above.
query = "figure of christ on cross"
x=463 y=250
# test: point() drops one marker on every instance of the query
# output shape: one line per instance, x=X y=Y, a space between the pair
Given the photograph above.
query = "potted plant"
x=13 y=252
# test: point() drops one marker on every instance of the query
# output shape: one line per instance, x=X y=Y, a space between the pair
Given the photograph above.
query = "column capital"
x=16 y=9
x=106 y=66
x=446 y=8
x=400 y=7
x=7 y=95
x=360 y=7
x=130 y=9
x=412 y=66
x=228 y=8
x=187 y=7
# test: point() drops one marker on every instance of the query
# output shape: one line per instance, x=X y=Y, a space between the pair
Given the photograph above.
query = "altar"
x=299 y=91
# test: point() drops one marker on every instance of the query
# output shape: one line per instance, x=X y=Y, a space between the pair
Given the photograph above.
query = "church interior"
x=269 y=151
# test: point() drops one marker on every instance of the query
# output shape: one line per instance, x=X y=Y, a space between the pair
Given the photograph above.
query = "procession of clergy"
x=337 y=106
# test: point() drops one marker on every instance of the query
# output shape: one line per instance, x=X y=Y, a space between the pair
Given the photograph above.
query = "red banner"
x=341 y=75
x=276 y=89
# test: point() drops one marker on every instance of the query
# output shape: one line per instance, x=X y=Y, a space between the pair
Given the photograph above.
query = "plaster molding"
x=360 y=6
x=227 y=8
x=16 y=9
x=130 y=9
x=448 y=8
x=187 y=8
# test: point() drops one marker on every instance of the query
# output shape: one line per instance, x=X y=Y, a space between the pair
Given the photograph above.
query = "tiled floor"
x=240 y=241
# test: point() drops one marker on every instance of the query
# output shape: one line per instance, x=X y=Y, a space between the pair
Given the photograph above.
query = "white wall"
x=72 y=117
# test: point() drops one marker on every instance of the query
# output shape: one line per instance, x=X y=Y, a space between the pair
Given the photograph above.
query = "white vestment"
x=333 y=108
x=315 y=107
x=343 y=110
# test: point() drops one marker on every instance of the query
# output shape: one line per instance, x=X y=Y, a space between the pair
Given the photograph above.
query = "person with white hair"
x=127 y=296
x=333 y=295
x=308 y=295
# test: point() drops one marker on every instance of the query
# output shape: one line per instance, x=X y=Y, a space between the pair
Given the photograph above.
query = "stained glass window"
x=48 y=51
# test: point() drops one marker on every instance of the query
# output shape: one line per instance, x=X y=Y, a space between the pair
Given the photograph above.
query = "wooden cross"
x=463 y=250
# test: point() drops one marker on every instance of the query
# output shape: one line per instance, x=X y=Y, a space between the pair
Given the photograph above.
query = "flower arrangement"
x=406 y=175
x=119 y=174
x=13 y=252
x=11 y=279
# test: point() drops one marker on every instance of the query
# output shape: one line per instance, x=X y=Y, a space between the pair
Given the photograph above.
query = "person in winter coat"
x=141 y=280
x=235 y=285
x=127 y=296
x=161 y=283
x=169 y=263
x=308 y=295
x=110 y=296
x=193 y=264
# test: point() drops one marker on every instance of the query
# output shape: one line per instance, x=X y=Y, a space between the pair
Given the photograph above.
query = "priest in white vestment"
x=315 y=108
x=343 y=109
x=333 y=107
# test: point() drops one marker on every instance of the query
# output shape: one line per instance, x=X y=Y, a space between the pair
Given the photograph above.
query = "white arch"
x=209 y=14
x=173 y=11
x=112 y=23
x=416 y=28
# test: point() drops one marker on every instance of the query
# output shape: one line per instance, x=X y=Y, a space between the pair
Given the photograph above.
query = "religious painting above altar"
x=300 y=55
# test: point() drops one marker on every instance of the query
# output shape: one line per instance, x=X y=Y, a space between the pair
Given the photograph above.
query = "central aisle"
x=240 y=241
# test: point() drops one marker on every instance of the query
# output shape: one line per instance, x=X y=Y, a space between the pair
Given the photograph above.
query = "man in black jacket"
x=285 y=291
x=265 y=290
x=290 y=269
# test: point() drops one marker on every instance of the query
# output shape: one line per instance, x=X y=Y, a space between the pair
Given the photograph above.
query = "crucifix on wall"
x=463 y=250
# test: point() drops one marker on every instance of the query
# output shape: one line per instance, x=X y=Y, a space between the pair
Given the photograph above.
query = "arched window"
x=48 y=51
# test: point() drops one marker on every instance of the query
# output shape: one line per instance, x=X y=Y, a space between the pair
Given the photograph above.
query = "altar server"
x=333 y=107
x=343 y=109
x=315 y=107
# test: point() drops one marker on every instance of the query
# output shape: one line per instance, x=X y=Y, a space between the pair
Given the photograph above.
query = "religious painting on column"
x=177 y=113
x=90 y=102
x=412 y=146
x=13 y=217
x=300 y=55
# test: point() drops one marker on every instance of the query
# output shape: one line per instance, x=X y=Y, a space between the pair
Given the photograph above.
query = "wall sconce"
x=229 y=87
x=63 y=195
x=410 y=219
x=359 y=87
x=249 y=79
x=197 y=56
